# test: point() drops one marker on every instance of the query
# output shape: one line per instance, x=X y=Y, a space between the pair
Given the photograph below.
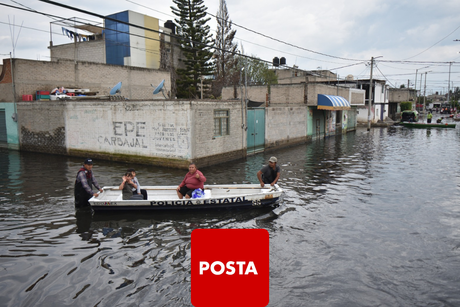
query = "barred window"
x=221 y=122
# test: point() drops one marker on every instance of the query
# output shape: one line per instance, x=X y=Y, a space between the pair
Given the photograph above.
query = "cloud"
x=353 y=29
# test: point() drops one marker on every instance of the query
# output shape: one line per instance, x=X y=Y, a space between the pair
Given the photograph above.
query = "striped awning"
x=333 y=103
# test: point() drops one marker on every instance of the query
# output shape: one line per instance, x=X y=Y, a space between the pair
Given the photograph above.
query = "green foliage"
x=455 y=96
x=195 y=43
x=406 y=105
x=258 y=71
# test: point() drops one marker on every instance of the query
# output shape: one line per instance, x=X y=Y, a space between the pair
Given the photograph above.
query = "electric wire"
x=258 y=33
x=434 y=44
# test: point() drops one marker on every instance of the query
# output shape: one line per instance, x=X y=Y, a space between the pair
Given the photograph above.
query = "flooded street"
x=367 y=219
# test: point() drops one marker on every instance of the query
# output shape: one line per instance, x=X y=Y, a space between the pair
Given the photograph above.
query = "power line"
x=384 y=75
x=289 y=44
x=433 y=44
x=404 y=62
x=261 y=34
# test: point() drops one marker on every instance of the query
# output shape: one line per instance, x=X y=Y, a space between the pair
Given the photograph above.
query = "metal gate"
x=3 y=135
x=319 y=124
x=256 y=130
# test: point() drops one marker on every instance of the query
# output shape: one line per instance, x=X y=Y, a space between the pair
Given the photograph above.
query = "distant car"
x=409 y=116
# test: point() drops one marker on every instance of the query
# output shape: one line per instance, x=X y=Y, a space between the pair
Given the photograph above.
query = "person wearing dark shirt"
x=138 y=190
x=128 y=186
x=83 y=189
x=269 y=174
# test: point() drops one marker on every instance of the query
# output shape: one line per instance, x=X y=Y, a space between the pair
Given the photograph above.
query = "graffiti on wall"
x=152 y=133
x=126 y=134
x=169 y=139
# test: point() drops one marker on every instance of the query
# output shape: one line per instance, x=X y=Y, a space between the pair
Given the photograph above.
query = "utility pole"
x=424 y=91
x=448 y=85
x=416 y=71
x=370 y=98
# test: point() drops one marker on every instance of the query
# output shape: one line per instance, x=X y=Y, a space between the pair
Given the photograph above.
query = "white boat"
x=165 y=197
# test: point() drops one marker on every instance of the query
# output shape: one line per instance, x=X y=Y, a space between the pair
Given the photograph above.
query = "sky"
x=404 y=37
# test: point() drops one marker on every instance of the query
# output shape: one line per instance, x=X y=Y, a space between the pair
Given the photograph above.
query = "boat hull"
x=426 y=125
x=165 y=198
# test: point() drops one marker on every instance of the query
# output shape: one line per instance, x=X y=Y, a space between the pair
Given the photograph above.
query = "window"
x=221 y=122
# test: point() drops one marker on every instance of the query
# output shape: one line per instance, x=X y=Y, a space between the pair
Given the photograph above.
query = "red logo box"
x=230 y=267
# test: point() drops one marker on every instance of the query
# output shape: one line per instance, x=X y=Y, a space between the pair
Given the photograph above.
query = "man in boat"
x=429 y=117
x=193 y=180
x=138 y=190
x=83 y=189
x=128 y=187
x=269 y=174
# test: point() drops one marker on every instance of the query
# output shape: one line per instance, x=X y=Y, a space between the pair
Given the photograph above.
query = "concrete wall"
x=279 y=93
x=287 y=94
x=400 y=95
x=89 y=51
x=42 y=127
x=299 y=93
x=286 y=125
x=31 y=76
x=362 y=116
x=217 y=148
x=6 y=86
x=166 y=133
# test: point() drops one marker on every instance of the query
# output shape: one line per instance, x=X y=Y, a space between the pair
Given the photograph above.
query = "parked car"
x=409 y=116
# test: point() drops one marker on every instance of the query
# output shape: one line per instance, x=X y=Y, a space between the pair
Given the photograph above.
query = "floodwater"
x=367 y=219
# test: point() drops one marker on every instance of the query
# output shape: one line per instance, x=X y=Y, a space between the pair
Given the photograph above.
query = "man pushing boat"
x=83 y=189
x=269 y=174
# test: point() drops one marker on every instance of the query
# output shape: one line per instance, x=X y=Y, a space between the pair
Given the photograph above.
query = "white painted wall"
x=137 y=41
x=158 y=129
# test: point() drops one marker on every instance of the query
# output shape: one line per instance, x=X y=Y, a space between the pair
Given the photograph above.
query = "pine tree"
x=195 y=42
x=225 y=59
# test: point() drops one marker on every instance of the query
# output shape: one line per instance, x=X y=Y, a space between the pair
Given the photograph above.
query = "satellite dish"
x=160 y=88
x=116 y=89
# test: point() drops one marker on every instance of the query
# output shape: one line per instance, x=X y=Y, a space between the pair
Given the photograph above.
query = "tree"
x=455 y=97
x=225 y=59
x=259 y=72
x=406 y=105
x=194 y=40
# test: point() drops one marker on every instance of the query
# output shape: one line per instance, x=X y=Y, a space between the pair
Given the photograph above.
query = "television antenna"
x=14 y=43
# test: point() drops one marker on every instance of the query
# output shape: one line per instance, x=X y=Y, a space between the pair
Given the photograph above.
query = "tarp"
x=333 y=103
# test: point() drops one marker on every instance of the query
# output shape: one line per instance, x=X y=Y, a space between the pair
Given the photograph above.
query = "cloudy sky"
x=341 y=36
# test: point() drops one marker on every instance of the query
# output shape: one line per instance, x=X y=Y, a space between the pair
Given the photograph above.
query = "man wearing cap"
x=83 y=190
x=269 y=174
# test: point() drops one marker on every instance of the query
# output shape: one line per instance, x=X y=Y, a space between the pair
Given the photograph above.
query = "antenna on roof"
x=159 y=88
x=14 y=43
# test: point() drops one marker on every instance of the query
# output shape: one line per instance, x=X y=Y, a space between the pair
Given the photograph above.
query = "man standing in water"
x=269 y=174
x=429 y=117
x=83 y=190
